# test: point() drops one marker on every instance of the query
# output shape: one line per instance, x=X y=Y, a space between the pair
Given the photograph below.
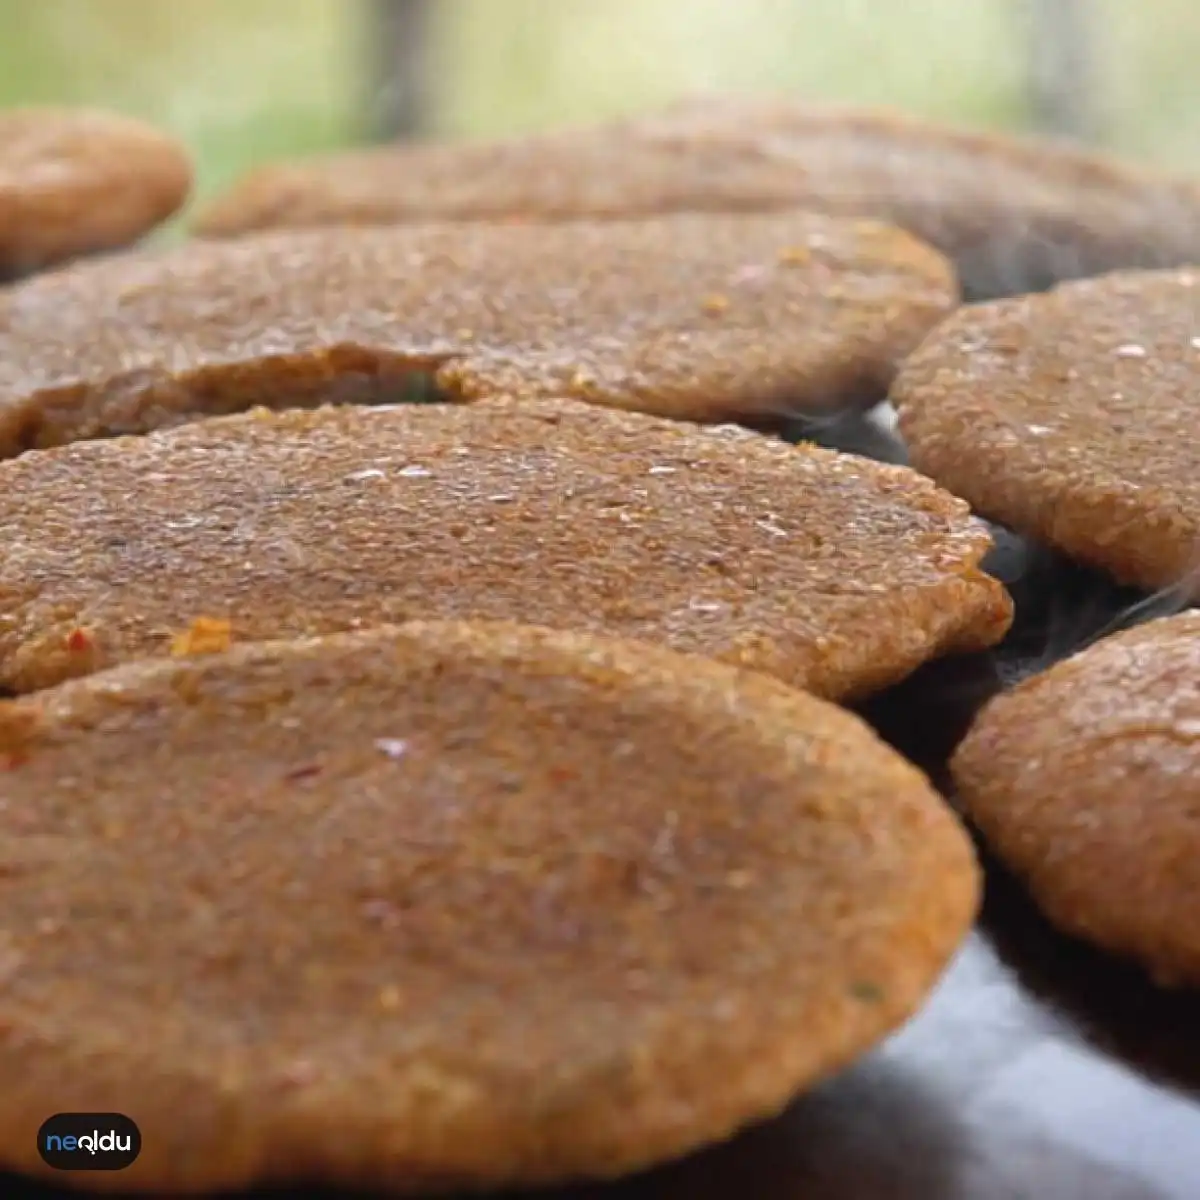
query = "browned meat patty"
x=78 y=181
x=1086 y=780
x=450 y=905
x=832 y=572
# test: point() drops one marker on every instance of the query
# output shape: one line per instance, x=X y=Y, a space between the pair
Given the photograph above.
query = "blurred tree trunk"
x=397 y=79
x=1064 y=91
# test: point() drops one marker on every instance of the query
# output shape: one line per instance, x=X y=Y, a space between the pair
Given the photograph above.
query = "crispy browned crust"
x=452 y=905
x=700 y=317
x=1015 y=214
x=1071 y=417
x=78 y=181
x=828 y=570
x=1085 y=780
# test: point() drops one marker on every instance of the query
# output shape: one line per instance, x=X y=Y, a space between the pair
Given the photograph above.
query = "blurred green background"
x=246 y=80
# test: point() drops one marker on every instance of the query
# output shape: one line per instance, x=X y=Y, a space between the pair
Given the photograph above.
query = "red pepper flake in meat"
x=79 y=641
x=563 y=775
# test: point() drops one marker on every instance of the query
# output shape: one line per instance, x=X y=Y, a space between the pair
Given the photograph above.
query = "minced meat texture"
x=830 y=571
x=451 y=906
x=705 y=318
x=1070 y=417
x=1086 y=782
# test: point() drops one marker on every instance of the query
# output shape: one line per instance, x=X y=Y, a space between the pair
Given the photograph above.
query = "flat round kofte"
x=1015 y=214
x=1070 y=418
x=79 y=181
x=1086 y=781
x=705 y=318
x=450 y=906
x=579 y=174
x=833 y=572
